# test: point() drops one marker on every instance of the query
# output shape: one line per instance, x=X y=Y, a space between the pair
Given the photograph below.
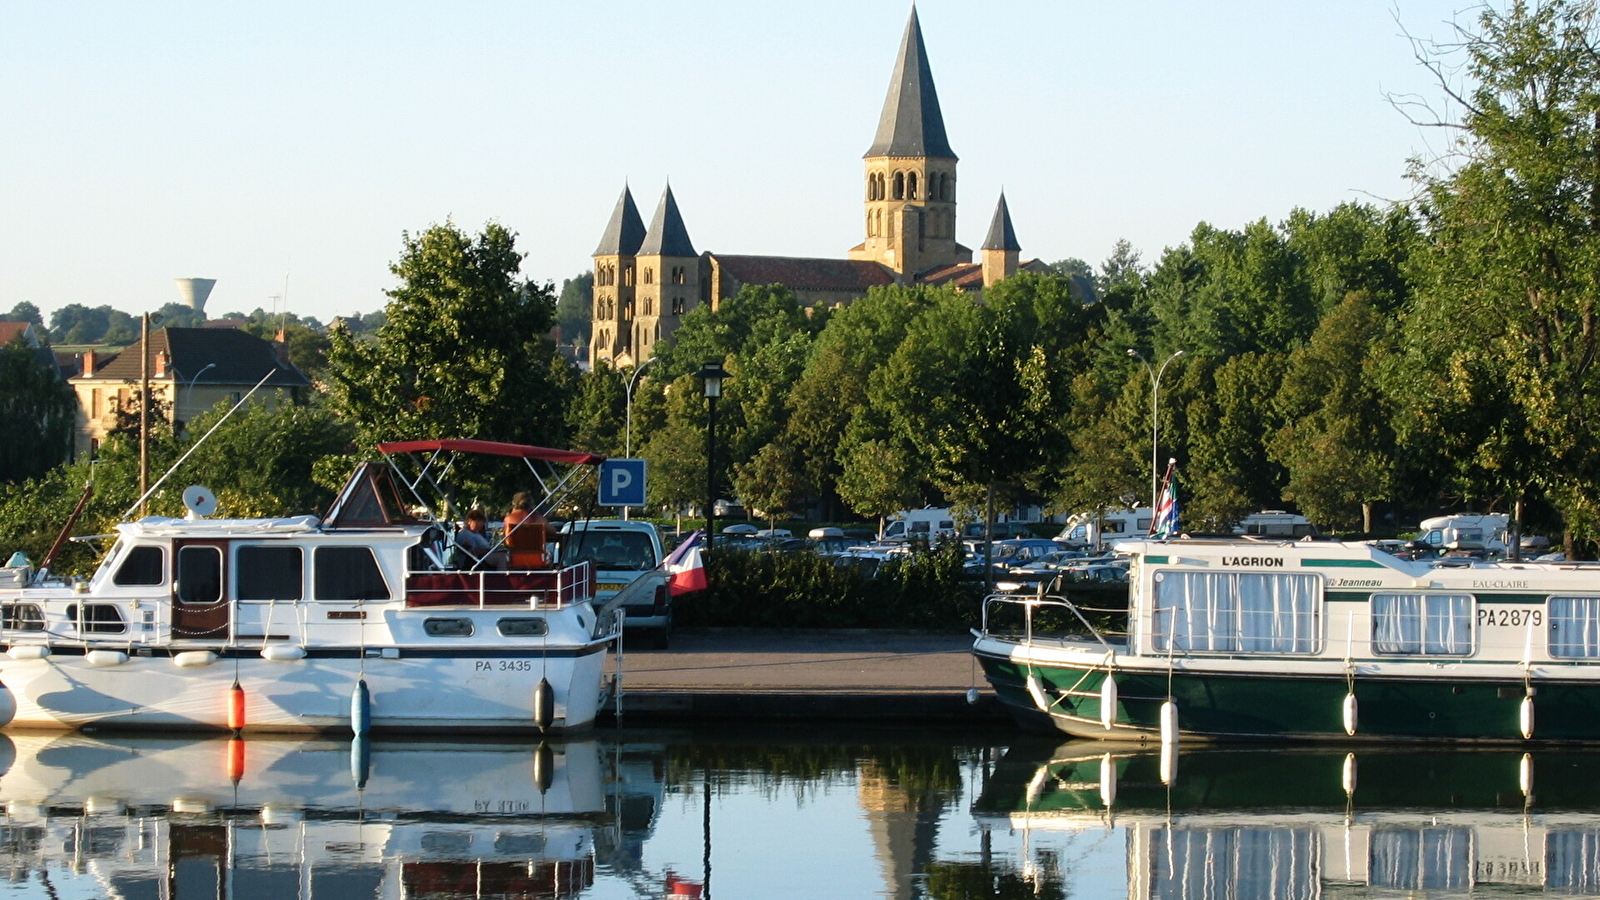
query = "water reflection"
x=669 y=814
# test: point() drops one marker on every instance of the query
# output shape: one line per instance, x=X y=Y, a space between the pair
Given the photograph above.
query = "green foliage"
x=24 y=311
x=462 y=353
x=573 y=309
x=261 y=461
x=802 y=590
x=38 y=408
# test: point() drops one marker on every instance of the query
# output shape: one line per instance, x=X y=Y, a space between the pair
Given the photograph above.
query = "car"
x=621 y=552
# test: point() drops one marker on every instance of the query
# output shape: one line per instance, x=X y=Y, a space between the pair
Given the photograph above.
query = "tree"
x=770 y=482
x=1505 y=329
x=572 y=309
x=38 y=407
x=462 y=352
x=260 y=462
x=24 y=312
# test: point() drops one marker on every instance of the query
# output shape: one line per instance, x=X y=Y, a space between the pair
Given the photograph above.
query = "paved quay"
x=794 y=675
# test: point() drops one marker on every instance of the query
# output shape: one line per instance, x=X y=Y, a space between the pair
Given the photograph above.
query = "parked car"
x=622 y=551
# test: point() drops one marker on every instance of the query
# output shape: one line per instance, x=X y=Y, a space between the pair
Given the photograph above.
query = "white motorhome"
x=1095 y=529
x=1467 y=531
x=1276 y=523
x=928 y=523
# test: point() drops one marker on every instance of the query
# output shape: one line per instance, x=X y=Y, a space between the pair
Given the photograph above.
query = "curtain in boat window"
x=1420 y=859
x=1266 y=863
x=1427 y=624
x=1574 y=627
x=1246 y=612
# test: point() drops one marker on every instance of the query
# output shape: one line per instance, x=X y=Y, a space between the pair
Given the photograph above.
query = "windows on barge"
x=1237 y=612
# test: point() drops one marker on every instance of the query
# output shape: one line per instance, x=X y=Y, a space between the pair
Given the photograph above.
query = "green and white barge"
x=1306 y=641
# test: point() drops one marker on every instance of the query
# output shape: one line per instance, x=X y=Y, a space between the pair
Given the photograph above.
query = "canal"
x=755 y=813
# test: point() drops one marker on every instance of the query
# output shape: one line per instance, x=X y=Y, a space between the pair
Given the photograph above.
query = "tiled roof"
x=10 y=331
x=625 y=231
x=1001 y=235
x=806 y=274
x=911 y=124
x=207 y=356
x=961 y=275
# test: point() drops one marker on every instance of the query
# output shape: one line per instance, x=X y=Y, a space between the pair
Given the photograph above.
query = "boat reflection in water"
x=1298 y=824
x=293 y=818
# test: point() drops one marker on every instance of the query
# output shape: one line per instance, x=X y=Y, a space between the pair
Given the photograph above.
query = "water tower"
x=194 y=291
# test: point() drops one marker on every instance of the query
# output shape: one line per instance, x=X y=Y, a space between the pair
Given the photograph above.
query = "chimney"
x=162 y=361
x=88 y=362
x=280 y=347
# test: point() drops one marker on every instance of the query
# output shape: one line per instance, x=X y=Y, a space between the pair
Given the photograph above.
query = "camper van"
x=1276 y=523
x=1467 y=531
x=1096 y=529
x=927 y=524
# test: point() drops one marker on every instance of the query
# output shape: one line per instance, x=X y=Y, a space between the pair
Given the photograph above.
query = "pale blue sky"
x=144 y=142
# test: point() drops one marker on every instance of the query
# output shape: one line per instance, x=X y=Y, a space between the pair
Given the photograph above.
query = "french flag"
x=687 y=568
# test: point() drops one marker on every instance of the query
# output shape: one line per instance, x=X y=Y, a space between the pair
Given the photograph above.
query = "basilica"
x=646 y=278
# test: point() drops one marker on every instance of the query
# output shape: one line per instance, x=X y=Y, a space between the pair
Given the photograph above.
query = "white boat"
x=140 y=816
x=357 y=621
x=1307 y=640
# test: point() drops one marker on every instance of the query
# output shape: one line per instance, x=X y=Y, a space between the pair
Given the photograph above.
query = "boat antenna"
x=196 y=446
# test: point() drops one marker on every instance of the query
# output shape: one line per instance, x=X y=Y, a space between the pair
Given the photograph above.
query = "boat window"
x=96 y=618
x=267 y=573
x=1571 y=859
x=1574 y=627
x=1242 y=612
x=1422 y=860
x=1230 y=861
x=447 y=627
x=1428 y=624
x=21 y=617
x=349 y=573
x=142 y=566
x=200 y=574
x=523 y=627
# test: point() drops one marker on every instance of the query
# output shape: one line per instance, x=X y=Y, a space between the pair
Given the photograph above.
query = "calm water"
x=772 y=814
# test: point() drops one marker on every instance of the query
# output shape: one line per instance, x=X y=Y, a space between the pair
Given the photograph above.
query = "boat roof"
x=496 y=448
x=166 y=526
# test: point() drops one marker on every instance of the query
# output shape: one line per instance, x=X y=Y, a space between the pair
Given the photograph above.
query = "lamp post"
x=1155 y=422
x=627 y=440
x=711 y=374
x=189 y=387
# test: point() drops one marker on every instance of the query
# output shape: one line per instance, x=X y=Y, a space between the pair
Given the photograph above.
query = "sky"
x=284 y=149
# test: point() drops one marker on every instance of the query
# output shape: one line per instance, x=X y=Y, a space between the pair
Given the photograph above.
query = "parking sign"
x=622 y=482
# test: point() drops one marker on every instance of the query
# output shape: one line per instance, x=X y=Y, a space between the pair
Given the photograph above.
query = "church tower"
x=669 y=279
x=1000 y=249
x=911 y=172
x=614 y=261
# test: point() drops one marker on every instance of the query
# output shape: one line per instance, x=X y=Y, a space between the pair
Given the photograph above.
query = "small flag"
x=1165 y=524
x=687 y=568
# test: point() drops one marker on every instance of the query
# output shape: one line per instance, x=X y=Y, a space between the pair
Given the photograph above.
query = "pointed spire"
x=911 y=124
x=1001 y=235
x=625 y=231
x=667 y=236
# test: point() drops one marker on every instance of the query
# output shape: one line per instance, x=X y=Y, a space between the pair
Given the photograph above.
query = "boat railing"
x=1014 y=615
x=539 y=588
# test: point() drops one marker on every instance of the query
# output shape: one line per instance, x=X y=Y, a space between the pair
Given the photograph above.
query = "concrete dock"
x=834 y=675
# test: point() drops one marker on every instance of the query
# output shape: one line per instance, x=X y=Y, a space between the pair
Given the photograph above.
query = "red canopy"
x=496 y=448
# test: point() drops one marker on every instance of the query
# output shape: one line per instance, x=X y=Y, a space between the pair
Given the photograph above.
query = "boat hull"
x=1288 y=701
x=410 y=689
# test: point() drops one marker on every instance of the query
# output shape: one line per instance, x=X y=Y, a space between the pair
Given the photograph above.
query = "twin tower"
x=646 y=279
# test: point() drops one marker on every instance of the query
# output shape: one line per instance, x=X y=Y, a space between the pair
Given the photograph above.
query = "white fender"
x=1108 y=702
x=1169 y=764
x=360 y=709
x=1351 y=715
x=1347 y=774
x=194 y=659
x=105 y=657
x=28 y=651
x=1036 y=691
x=1169 y=722
x=1108 y=780
x=283 y=652
x=544 y=704
x=1525 y=718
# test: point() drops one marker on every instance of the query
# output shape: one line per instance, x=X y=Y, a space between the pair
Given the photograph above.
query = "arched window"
x=677 y=306
x=627 y=276
x=649 y=275
x=899 y=185
x=911 y=185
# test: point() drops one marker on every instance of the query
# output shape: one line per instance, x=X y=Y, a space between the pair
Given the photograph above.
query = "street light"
x=711 y=374
x=1155 y=422
x=189 y=389
x=627 y=441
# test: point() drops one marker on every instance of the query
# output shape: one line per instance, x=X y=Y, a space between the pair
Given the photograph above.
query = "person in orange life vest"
x=527 y=533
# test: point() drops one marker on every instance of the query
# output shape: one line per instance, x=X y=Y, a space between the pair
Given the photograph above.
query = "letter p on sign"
x=622 y=482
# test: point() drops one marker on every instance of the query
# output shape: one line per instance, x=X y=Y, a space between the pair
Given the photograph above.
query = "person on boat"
x=472 y=539
x=527 y=533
